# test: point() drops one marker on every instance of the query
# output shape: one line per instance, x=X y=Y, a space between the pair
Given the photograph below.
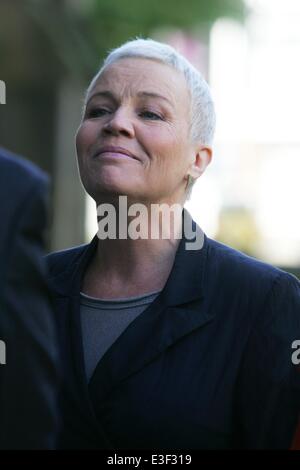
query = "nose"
x=119 y=122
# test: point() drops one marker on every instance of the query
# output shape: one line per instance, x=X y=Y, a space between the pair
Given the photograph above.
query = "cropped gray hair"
x=202 y=125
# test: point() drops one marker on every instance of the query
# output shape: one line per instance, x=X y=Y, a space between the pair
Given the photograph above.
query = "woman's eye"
x=97 y=112
x=151 y=115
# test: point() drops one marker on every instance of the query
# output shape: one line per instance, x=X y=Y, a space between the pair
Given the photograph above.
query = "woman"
x=166 y=345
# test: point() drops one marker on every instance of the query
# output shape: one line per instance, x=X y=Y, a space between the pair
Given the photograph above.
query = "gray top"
x=103 y=321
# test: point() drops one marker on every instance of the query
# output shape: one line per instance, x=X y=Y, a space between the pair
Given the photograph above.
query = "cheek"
x=85 y=137
x=83 y=141
x=169 y=150
x=79 y=142
x=162 y=144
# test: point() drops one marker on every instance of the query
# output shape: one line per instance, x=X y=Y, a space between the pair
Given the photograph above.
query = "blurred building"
x=253 y=190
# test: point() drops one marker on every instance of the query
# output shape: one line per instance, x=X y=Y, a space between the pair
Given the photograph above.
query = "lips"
x=113 y=149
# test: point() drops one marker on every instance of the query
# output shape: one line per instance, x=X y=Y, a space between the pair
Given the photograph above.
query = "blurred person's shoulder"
x=24 y=194
x=18 y=174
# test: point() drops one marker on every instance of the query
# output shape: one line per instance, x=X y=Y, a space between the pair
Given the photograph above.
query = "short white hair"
x=203 y=118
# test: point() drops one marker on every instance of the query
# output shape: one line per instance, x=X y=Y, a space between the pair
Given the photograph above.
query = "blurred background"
x=249 y=52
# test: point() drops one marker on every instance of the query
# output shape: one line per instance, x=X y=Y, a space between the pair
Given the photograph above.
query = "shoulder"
x=19 y=175
x=60 y=261
x=240 y=271
x=24 y=188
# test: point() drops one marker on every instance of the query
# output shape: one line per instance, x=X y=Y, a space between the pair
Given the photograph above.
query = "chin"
x=111 y=188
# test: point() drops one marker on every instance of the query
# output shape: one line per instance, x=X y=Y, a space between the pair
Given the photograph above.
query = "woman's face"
x=142 y=107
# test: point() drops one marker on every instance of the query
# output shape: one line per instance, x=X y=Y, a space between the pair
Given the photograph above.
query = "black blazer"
x=206 y=366
x=29 y=379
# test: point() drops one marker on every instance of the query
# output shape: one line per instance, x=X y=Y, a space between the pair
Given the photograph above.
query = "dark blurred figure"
x=29 y=375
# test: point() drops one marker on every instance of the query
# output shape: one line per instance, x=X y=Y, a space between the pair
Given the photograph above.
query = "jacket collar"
x=185 y=282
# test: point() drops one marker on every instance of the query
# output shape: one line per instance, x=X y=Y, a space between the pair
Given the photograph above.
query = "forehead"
x=130 y=76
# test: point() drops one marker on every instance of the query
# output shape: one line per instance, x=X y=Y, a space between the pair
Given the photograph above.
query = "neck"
x=126 y=265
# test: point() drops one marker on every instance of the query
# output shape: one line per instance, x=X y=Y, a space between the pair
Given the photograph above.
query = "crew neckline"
x=120 y=299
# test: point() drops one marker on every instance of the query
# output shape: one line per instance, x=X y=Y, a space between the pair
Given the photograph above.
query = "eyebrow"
x=154 y=95
x=149 y=94
x=105 y=94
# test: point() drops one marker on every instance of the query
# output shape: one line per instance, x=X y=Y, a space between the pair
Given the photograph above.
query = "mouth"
x=114 y=152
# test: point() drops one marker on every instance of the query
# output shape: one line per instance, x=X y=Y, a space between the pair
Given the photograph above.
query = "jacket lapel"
x=66 y=287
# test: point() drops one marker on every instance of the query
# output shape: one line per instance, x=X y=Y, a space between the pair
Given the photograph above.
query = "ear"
x=201 y=160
